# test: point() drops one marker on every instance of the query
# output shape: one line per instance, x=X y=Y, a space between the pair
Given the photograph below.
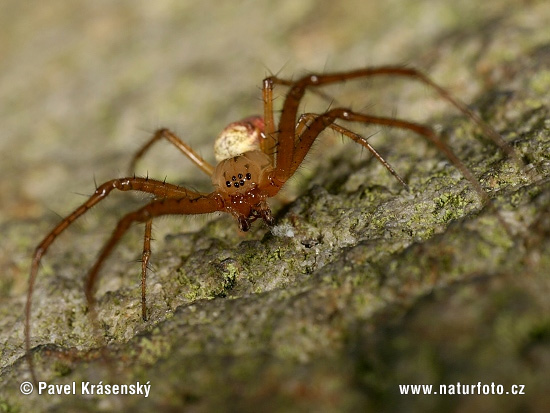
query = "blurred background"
x=83 y=84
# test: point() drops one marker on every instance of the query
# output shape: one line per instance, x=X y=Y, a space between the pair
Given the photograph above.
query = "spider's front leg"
x=299 y=87
x=145 y=256
x=167 y=206
x=171 y=199
x=295 y=139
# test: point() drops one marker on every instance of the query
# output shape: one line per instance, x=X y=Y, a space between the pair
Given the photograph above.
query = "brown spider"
x=255 y=158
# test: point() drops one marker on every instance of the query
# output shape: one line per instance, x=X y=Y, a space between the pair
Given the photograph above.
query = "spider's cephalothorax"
x=244 y=182
x=256 y=157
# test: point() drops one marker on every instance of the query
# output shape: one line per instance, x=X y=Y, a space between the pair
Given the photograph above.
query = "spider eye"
x=233 y=178
x=228 y=184
x=248 y=176
x=241 y=182
x=236 y=184
x=240 y=176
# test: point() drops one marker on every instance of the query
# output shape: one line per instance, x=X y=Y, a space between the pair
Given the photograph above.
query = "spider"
x=256 y=158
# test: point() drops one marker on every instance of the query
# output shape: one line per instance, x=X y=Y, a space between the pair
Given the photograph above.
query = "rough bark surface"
x=359 y=288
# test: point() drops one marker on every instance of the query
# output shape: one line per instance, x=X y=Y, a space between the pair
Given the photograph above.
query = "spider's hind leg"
x=171 y=137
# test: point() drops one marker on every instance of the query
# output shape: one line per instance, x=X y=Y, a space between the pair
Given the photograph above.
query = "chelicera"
x=256 y=158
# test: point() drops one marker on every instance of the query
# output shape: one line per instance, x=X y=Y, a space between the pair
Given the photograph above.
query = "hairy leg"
x=144 y=263
x=307 y=118
x=174 y=200
x=269 y=143
x=178 y=143
x=287 y=122
x=321 y=122
x=168 y=206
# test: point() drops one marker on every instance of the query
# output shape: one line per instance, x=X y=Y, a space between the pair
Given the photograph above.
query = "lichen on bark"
x=362 y=286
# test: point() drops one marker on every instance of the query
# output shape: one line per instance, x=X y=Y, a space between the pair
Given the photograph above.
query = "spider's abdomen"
x=239 y=137
x=240 y=174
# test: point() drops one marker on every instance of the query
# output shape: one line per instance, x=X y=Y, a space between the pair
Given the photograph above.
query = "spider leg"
x=166 y=206
x=175 y=200
x=268 y=144
x=306 y=118
x=321 y=122
x=284 y=136
x=298 y=89
x=178 y=143
x=144 y=263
